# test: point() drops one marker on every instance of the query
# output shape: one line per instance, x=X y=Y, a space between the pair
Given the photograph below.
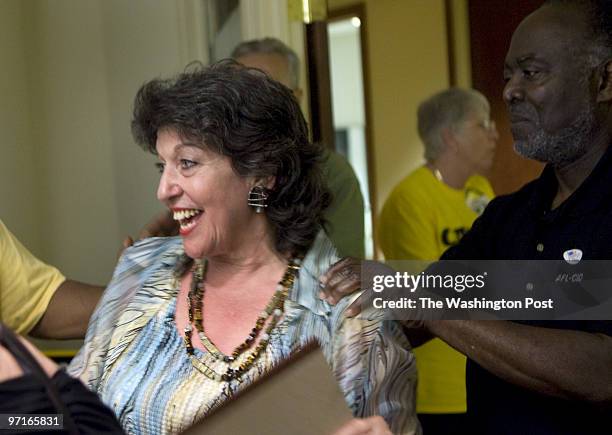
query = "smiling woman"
x=194 y=184
x=188 y=322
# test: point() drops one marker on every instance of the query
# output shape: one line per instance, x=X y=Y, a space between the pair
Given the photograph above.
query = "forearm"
x=562 y=363
x=418 y=336
x=69 y=311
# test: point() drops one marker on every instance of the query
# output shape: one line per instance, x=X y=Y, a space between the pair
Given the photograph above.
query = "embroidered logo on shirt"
x=572 y=256
x=451 y=236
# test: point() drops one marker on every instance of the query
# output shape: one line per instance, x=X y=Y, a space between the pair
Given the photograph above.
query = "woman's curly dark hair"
x=241 y=113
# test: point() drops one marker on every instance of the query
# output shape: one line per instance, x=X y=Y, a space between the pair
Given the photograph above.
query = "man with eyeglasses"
x=428 y=212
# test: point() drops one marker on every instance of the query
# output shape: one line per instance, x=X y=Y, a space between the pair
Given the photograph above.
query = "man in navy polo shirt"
x=547 y=377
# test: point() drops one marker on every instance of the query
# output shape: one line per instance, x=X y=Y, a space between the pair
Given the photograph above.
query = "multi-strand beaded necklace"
x=271 y=315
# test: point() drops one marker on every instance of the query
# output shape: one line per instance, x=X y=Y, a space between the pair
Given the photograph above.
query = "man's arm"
x=69 y=311
x=563 y=363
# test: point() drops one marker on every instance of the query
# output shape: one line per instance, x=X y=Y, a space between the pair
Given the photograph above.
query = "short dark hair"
x=599 y=25
x=241 y=113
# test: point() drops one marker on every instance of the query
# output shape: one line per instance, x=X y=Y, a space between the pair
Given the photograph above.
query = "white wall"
x=72 y=136
x=144 y=39
x=346 y=74
x=72 y=181
x=19 y=204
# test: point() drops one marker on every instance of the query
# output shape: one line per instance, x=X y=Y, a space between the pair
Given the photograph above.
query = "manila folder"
x=300 y=397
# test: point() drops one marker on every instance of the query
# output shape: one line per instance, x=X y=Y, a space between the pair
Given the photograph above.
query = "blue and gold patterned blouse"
x=134 y=358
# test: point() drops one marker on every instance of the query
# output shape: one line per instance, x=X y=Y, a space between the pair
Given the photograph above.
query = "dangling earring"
x=258 y=198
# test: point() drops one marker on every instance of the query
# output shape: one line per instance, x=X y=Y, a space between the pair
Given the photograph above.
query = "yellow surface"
x=422 y=214
x=57 y=348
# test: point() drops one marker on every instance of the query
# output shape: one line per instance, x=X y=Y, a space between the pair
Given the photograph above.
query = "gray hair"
x=272 y=46
x=446 y=109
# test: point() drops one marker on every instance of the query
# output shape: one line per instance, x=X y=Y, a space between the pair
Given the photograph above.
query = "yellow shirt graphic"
x=420 y=220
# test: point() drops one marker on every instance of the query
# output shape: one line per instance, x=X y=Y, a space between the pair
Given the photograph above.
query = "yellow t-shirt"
x=421 y=219
x=26 y=284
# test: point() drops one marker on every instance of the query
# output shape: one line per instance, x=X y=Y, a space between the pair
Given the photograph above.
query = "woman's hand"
x=365 y=426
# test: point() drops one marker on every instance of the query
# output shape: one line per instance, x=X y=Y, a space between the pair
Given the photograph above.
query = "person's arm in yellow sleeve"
x=36 y=298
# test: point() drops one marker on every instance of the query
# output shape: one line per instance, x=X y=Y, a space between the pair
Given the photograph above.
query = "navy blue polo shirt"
x=521 y=226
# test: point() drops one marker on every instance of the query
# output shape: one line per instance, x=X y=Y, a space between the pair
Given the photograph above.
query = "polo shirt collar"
x=591 y=194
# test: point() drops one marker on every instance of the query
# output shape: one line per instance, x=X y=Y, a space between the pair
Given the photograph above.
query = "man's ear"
x=604 y=88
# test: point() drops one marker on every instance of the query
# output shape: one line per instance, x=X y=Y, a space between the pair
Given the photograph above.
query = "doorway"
x=349 y=91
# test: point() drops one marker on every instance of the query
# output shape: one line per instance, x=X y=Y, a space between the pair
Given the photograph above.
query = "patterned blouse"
x=135 y=359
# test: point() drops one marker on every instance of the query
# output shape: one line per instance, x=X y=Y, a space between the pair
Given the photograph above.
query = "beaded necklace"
x=271 y=314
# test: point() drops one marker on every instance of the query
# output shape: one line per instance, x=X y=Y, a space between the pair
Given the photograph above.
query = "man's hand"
x=365 y=426
x=341 y=279
x=349 y=275
x=161 y=225
x=346 y=277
